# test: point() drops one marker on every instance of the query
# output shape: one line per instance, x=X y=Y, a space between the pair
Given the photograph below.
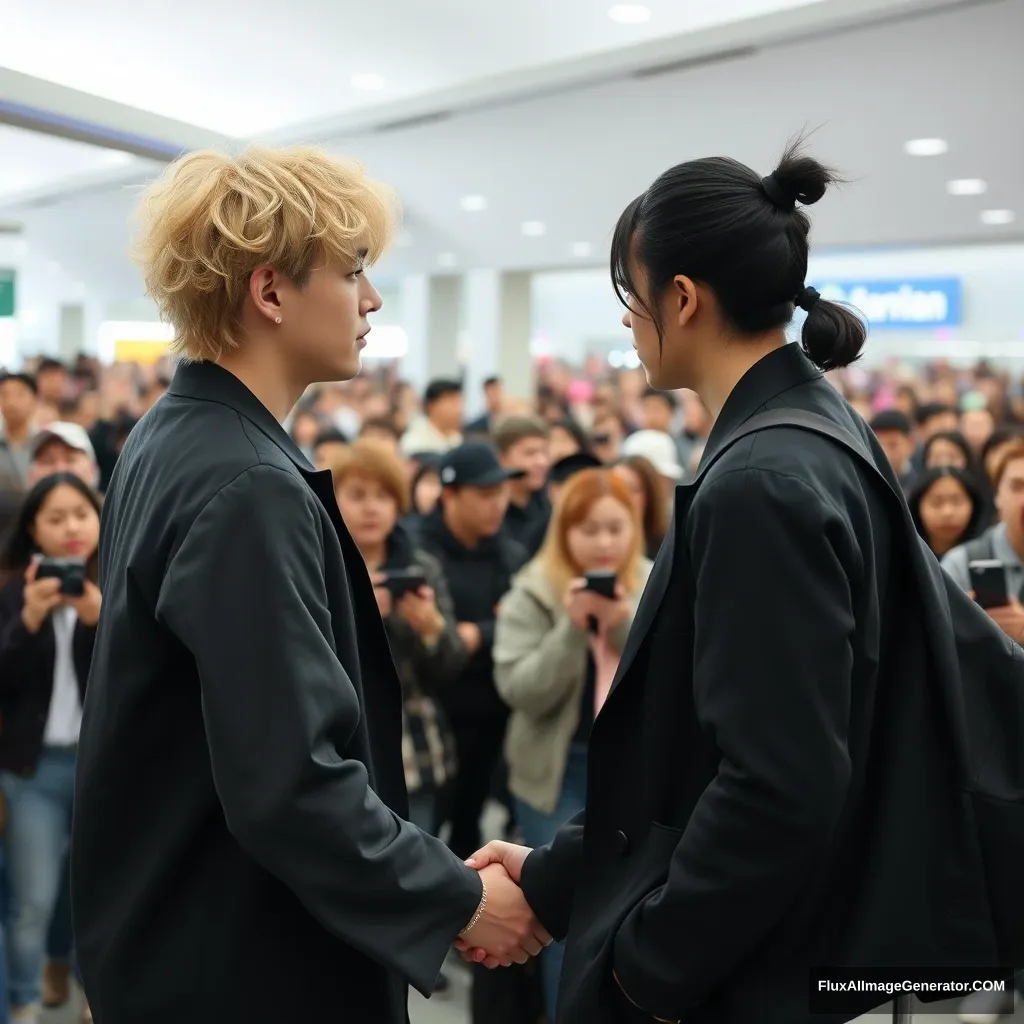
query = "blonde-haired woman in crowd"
x=556 y=648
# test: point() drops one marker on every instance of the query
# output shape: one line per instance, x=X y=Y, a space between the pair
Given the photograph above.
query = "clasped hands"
x=508 y=931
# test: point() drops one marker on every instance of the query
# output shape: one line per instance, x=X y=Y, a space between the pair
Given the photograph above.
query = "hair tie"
x=807 y=297
x=777 y=194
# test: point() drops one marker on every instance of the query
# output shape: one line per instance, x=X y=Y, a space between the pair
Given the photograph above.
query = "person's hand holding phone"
x=88 y=605
x=381 y=592
x=469 y=634
x=41 y=597
x=583 y=605
x=419 y=609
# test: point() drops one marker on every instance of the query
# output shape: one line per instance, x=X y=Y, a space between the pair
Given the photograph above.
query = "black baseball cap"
x=474 y=464
x=572 y=464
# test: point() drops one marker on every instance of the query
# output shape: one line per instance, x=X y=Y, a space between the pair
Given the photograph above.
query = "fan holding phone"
x=991 y=568
x=412 y=596
x=559 y=633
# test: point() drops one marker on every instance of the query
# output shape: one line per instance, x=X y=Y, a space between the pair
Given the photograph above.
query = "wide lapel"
x=650 y=601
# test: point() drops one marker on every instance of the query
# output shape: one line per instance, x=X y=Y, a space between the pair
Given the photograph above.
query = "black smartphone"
x=401 y=581
x=602 y=583
x=70 y=572
x=988 y=581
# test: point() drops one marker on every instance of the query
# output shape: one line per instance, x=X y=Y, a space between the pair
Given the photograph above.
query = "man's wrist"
x=482 y=906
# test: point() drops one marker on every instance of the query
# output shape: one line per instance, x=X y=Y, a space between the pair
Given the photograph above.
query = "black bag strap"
x=880 y=468
x=816 y=424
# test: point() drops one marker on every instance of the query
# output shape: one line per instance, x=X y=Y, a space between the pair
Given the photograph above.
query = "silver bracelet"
x=479 y=912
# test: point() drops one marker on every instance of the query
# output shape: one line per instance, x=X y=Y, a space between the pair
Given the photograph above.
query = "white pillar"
x=515 y=365
x=444 y=319
x=414 y=301
x=482 y=336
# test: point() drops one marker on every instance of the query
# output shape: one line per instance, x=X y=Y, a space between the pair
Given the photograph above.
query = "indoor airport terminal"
x=398 y=399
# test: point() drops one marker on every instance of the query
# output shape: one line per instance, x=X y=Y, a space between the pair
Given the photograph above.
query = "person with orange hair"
x=556 y=648
x=239 y=848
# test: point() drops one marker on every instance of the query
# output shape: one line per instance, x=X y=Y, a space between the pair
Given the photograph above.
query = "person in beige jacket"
x=556 y=649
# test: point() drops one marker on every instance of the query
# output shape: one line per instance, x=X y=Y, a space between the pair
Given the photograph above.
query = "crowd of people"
x=486 y=542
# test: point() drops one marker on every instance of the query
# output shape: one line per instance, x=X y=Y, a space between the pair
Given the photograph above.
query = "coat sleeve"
x=19 y=649
x=549 y=877
x=449 y=655
x=246 y=594
x=772 y=679
x=538 y=663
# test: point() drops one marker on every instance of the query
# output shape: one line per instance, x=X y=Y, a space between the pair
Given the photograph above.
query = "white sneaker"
x=987 y=1007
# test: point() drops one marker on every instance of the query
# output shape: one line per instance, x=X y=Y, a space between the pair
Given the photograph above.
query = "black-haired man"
x=479 y=560
x=895 y=434
x=522 y=443
x=494 y=401
x=439 y=429
x=18 y=399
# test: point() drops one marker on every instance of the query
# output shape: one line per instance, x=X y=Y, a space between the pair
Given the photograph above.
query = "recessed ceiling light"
x=581 y=250
x=447 y=259
x=926 y=147
x=629 y=14
x=368 y=81
x=473 y=204
x=966 y=187
x=534 y=228
x=995 y=217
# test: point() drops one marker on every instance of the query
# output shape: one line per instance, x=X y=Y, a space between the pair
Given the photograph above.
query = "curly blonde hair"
x=211 y=219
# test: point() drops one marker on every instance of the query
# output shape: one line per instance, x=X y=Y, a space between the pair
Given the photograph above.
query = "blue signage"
x=900 y=303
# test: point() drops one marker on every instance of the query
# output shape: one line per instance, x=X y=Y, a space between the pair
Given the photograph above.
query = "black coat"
x=26 y=679
x=238 y=850
x=740 y=828
x=478 y=578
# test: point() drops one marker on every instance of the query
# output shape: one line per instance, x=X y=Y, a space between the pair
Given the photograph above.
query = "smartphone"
x=70 y=572
x=401 y=581
x=602 y=583
x=988 y=581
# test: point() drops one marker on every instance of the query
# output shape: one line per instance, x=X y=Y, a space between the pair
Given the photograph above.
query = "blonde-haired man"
x=239 y=851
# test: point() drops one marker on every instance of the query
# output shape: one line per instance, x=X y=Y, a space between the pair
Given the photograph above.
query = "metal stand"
x=902 y=1009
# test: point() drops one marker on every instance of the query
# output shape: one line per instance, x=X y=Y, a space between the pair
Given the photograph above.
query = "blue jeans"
x=38 y=826
x=538 y=830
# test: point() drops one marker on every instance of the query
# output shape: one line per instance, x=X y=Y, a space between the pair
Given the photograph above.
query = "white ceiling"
x=237 y=68
x=574 y=158
x=31 y=160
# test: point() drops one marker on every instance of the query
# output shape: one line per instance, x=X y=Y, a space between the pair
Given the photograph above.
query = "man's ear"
x=264 y=285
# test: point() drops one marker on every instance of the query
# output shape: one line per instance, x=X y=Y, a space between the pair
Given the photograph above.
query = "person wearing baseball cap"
x=63 y=448
x=479 y=560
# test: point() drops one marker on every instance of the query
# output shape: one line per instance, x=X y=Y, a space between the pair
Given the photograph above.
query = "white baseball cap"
x=658 y=448
x=70 y=434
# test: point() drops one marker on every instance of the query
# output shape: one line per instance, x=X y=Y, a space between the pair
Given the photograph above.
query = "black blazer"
x=756 y=806
x=26 y=679
x=239 y=852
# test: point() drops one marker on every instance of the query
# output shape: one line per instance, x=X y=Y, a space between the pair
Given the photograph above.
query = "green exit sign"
x=6 y=292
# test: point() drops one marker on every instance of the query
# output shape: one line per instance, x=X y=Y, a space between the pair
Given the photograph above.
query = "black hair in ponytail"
x=716 y=221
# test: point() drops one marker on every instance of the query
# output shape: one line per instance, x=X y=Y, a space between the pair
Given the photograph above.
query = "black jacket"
x=478 y=579
x=528 y=526
x=738 y=831
x=238 y=848
x=26 y=679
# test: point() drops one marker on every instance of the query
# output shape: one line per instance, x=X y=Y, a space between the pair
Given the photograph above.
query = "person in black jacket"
x=479 y=560
x=47 y=632
x=240 y=851
x=739 y=829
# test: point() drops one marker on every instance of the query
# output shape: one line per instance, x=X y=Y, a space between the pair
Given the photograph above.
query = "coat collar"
x=769 y=377
x=209 y=382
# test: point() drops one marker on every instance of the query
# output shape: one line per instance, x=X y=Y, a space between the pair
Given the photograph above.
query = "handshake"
x=505 y=930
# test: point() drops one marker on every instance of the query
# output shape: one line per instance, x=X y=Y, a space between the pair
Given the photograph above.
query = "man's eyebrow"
x=361 y=255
